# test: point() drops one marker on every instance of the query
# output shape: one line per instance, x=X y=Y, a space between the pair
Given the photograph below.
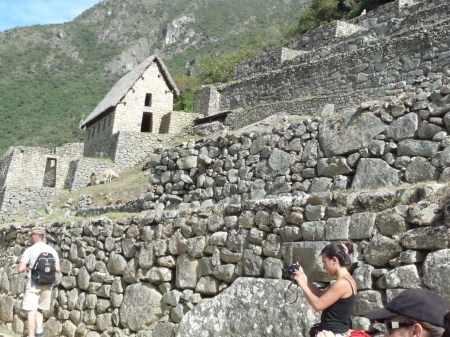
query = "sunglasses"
x=395 y=325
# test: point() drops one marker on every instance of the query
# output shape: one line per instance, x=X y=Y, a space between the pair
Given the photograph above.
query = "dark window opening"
x=148 y=100
x=109 y=123
x=104 y=124
x=89 y=134
x=50 y=173
x=147 y=122
x=98 y=130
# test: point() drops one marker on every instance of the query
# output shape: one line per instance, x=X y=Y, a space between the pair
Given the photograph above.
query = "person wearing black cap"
x=336 y=301
x=414 y=313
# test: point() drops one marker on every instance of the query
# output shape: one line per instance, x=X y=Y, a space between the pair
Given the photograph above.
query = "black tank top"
x=336 y=318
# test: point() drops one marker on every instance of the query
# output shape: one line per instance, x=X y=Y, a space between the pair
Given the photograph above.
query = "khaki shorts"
x=38 y=297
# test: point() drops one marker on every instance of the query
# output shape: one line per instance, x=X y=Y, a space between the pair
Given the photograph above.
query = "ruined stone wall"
x=179 y=121
x=65 y=155
x=5 y=162
x=19 y=200
x=27 y=167
x=132 y=148
x=206 y=101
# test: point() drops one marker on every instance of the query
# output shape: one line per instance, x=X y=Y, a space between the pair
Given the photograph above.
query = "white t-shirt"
x=31 y=254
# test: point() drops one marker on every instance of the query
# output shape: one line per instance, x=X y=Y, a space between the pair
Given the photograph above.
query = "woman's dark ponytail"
x=341 y=251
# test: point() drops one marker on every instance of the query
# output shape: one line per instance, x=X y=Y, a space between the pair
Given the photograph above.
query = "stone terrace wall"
x=355 y=62
x=146 y=272
x=403 y=58
x=341 y=37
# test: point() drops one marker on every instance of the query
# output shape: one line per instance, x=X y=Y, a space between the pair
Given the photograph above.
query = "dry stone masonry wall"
x=226 y=214
x=146 y=275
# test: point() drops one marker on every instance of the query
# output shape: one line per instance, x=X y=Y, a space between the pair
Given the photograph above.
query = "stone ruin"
x=360 y=153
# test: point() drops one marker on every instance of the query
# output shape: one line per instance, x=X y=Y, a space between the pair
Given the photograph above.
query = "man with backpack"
x=44 y=263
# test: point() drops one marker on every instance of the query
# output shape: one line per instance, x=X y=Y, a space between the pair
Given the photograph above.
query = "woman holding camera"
x=336 y=301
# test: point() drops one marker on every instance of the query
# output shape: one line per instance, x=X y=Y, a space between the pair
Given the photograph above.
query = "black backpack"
x=44 y=269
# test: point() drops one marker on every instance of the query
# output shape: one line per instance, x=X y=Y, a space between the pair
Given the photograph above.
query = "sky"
x=19 y=13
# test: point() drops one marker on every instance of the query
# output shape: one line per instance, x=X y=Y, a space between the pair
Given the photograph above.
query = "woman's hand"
x=299 y=276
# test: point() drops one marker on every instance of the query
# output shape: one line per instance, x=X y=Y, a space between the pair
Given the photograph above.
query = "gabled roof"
x=121 y=88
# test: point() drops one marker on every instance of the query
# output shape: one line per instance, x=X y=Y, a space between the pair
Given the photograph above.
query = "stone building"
x=134 y=118
x=140 y=102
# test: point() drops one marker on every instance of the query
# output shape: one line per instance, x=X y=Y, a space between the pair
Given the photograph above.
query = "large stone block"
x=264 y=307
x=427 y=238
x=348 y=132
x=374 y=174
x=141 y=306
x=436 y=270
x=380 y=250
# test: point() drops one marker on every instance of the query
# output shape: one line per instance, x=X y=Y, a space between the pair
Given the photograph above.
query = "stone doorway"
x=50 y=173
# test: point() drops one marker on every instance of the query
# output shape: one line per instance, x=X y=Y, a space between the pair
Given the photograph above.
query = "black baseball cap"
x=419 y=304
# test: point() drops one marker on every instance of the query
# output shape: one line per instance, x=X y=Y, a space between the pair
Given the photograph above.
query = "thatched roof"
x=121 y=88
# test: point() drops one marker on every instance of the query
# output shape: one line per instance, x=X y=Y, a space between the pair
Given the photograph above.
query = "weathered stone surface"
x=403 y=127
x=141 y=306
x=401 y=277
x=367 y=300
x=374 y=174
x=272 y=245
x=253 y=264
x=116 y=264
x=436 y=270
x=337 y=228
x=380 y=250
x=411 y=147
x=363 y=277
x=314 y=230
x=361 y=225
x=187 y=163
x=392 y=221
x=348 y=132
x=207 y=285
x=7 y=309
x=52 y=327
x=280 y=160
x=424 y=213
x=429 y=238
x=186 y=272
x=420 y=169
x=330 y=167
x=247 y=298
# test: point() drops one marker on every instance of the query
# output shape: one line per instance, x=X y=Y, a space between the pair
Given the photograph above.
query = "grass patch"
x=130 y=185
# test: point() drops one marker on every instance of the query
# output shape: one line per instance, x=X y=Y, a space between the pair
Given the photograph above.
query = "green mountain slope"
x=51 y=76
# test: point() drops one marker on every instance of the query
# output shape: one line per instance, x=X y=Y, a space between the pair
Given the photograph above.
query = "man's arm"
x=21 y=267
x=58 y=266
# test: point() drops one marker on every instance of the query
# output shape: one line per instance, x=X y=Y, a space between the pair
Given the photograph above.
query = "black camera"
x=289 y=270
